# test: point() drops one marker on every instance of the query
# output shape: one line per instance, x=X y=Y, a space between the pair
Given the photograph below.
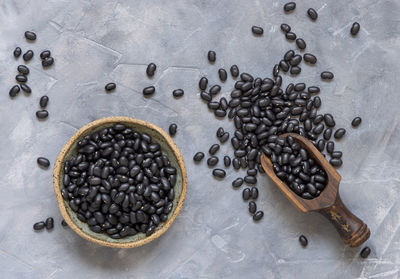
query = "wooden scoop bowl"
x=351 y=229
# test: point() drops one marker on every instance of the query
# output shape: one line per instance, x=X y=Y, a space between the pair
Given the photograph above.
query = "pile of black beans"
x=261 y=109
x=293 y=165
x=120 y=183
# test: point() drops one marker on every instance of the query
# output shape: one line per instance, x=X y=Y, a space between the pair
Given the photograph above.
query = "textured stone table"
x=95 y=42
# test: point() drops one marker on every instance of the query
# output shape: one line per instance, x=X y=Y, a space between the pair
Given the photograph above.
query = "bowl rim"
x=64 y=151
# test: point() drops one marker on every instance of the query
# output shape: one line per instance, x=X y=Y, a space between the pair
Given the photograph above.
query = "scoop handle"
x=351 y=229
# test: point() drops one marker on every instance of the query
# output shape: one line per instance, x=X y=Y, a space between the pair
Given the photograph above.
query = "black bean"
x=222 y=74
x=220 y=132
x=26 y=88
x=23 y=69
x=39 y=226
x=17 y=52
x=172 y=129
x=45 y=53
x=48 y=61
x=14 y=91
x=206 y=96
x=312 y=13
x=318 y=129
x=219 y=173
x=254 y=191
x=285 y=28
x=212 y=56
x=301 y=44
x=309 y=58
x=303 y=240
x=29 y=35
x=178 y=93
x=237 y=182
x=44 y=100
x=330 y=146
x=356 y=122
x=42 y=114
x=110 y=86
x=212 y=161
x=295 y=60
x=321 y=145
x=329 y=121
x=223 y=103
x=21 y=78
x=257 y=30
x=295 y=70
x=327 y=75
x=246 y=194
x=63 y=223
x=284 y=65
x=220 y=113
x=252 y=207
x=299 y=87
x=151 y=69
x=198 y=156
x=227 y=161
x=213 y=149
x=234 y=71
x=313 y=89
x=250 y=179
x=215 y=89
x=365 y=252
x=258 y=215
x=290 y=6
x=336 y=162
x=317 y=100
x=224 y=137
x=327 y=134
x=147 y=91
x=203 y=83
x=336 y=154
x=291 y=36
x=355 y=28
x=49 y=223
x=43 y=162
x=339 y=133
x=288 y=55
x=213 y=105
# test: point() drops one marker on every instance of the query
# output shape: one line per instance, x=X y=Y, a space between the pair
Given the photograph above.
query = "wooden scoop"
x=352 y=230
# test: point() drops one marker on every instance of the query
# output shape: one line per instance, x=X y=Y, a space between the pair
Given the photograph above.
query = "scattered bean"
x=355 y=28
x=151 y=69
x=303 y=240
x=312 y=13
x=257 y=30
x=110 y=86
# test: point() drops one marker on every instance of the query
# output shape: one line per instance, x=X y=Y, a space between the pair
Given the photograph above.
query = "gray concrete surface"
x=95 y=42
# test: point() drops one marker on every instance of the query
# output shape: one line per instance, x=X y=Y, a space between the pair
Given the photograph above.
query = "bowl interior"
x=141 y=127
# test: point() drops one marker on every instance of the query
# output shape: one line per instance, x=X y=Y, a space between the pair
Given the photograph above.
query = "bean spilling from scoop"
x=120 y=183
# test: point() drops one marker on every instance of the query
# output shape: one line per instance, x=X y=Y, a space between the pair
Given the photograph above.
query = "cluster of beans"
x=48 y=224
x=293 y=165
x=23 y=72
x=120 y=183
x=262 y=110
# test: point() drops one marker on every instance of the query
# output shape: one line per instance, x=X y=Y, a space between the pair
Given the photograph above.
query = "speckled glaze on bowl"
x=168 y=148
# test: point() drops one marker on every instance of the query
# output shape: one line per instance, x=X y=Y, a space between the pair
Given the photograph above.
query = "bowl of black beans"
x=120 y=182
